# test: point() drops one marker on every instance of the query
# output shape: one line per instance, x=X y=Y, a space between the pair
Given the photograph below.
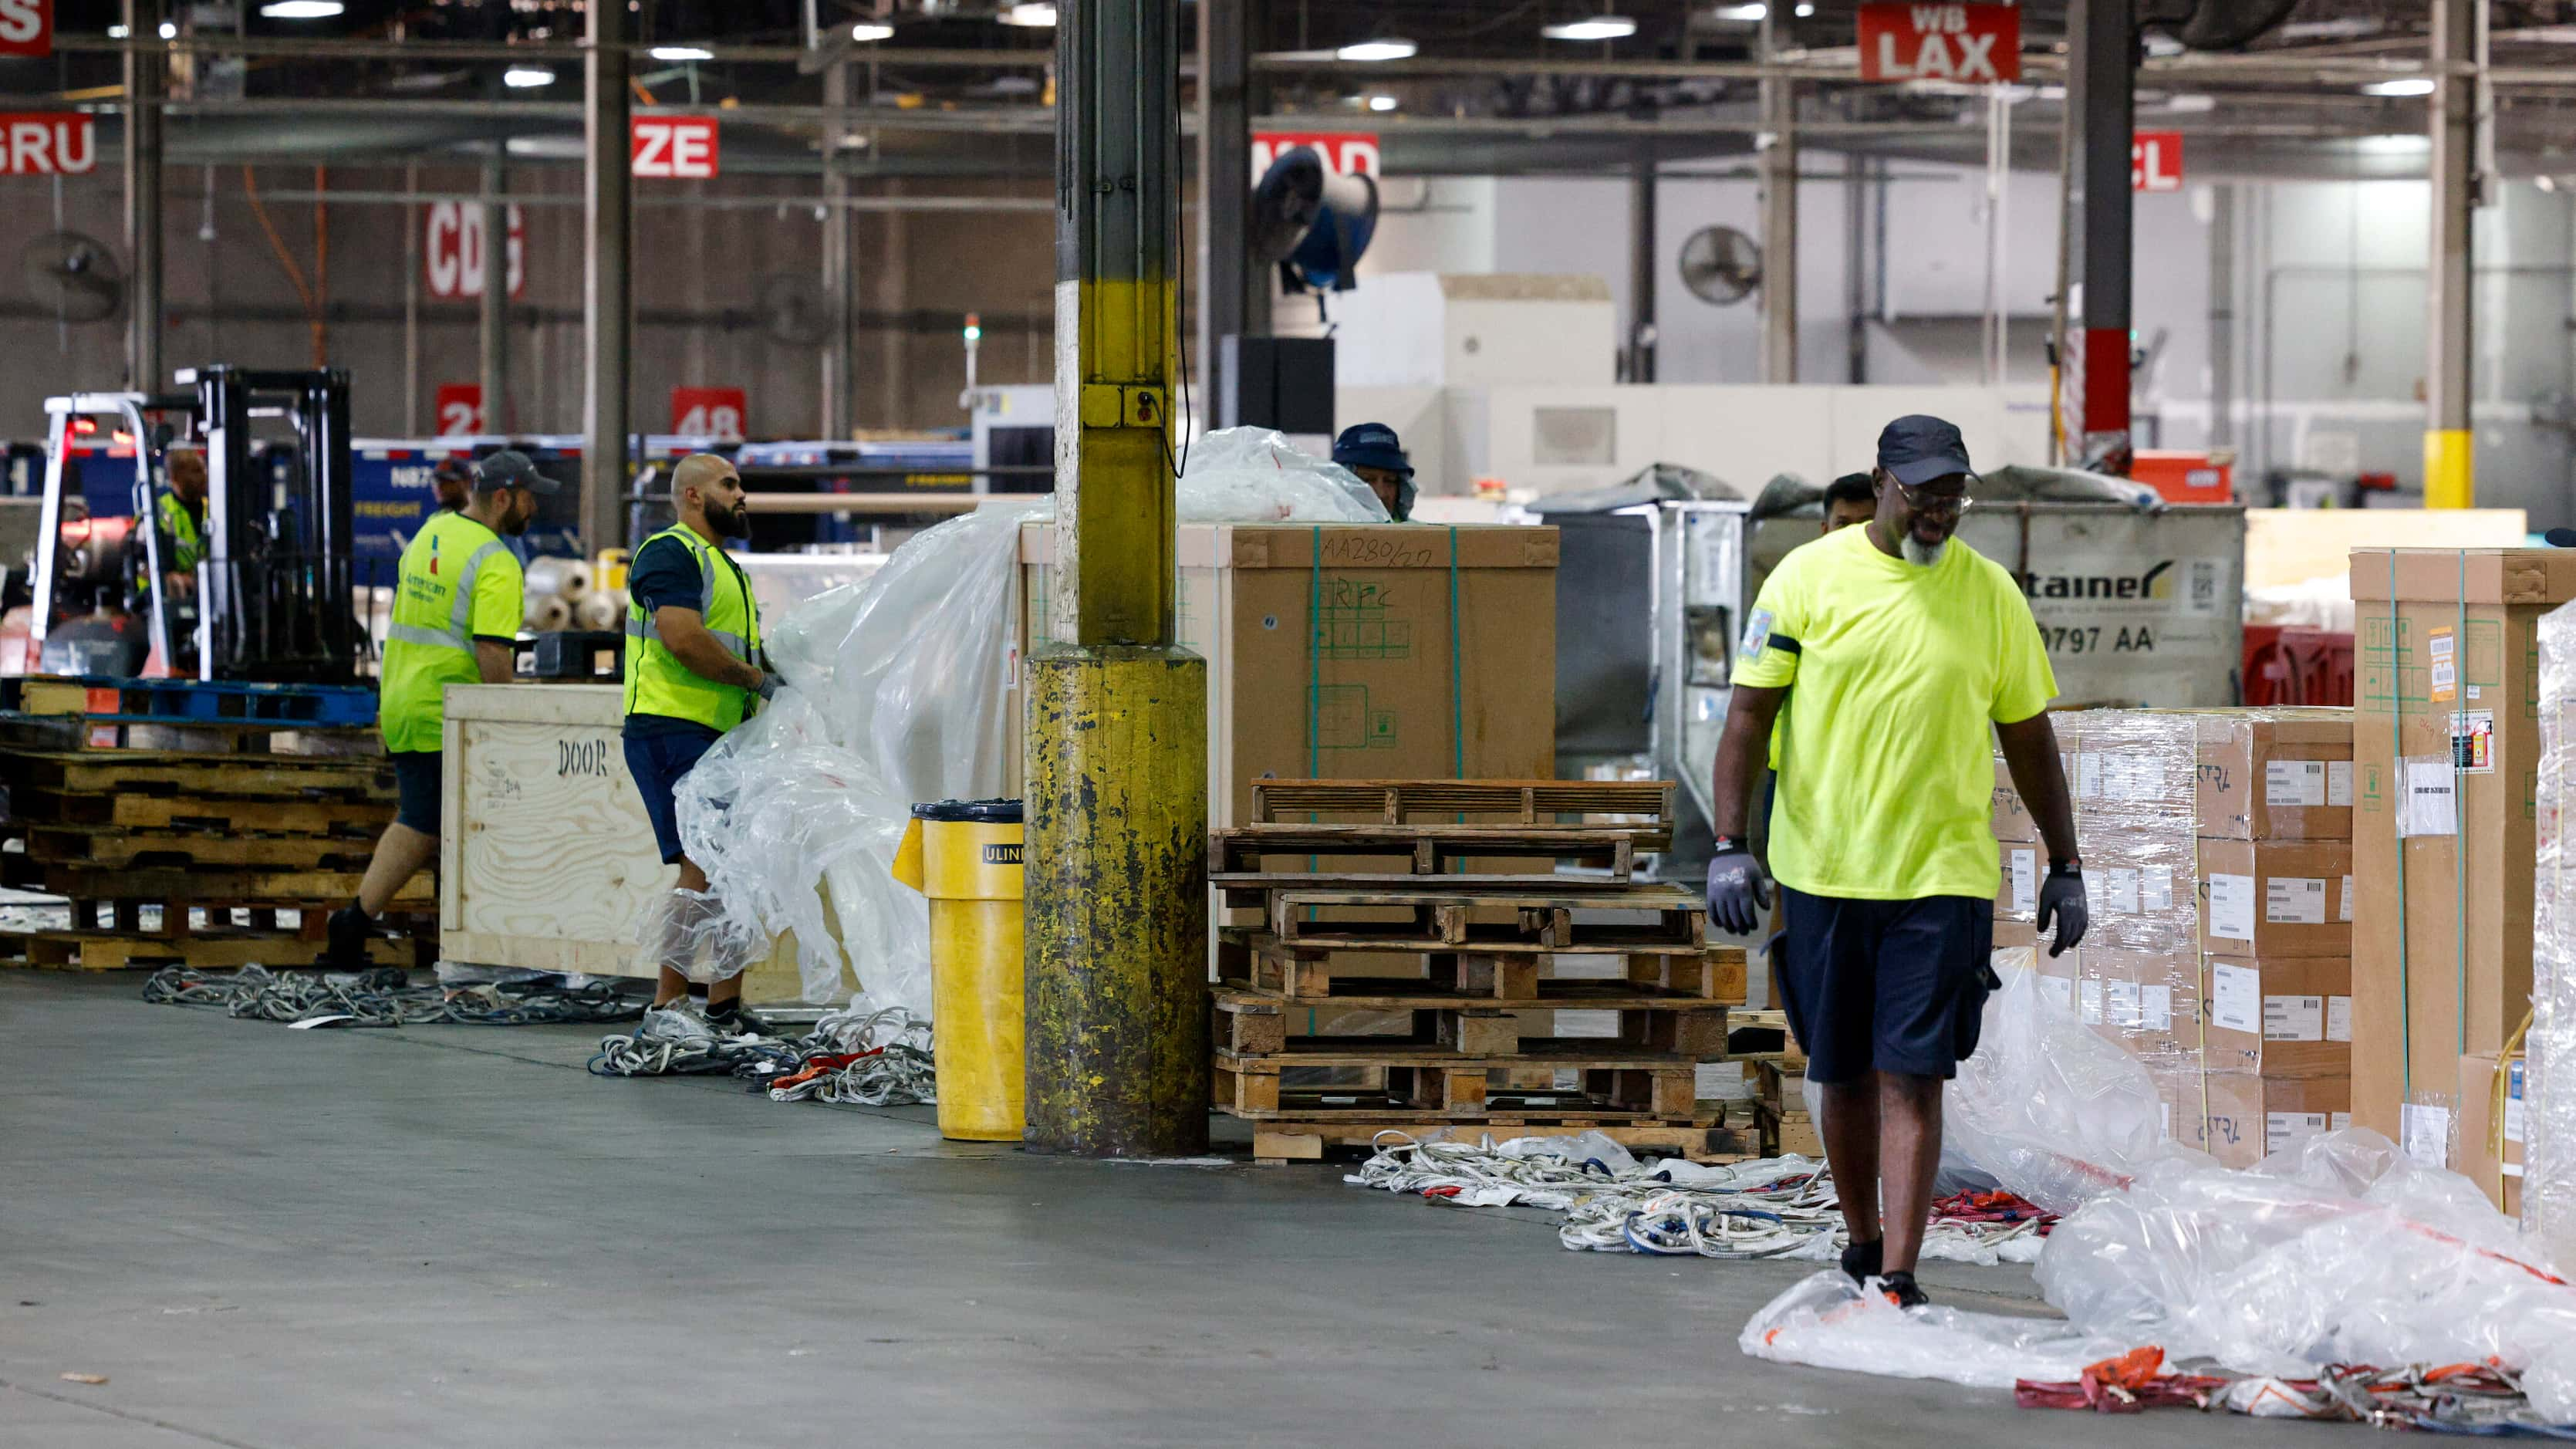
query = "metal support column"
x=1779 y=170
x=2101 y=106
x=1856 y=216
x=1233 y=293
x=836 y=257
x=1116 y=855
x=496 y=295
x=2222 y=315
x=1642 y=333
x=606 y=301
x=143 y=75
x=2449 y=458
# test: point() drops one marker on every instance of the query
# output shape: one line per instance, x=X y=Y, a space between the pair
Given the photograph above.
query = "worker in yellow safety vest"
x=693 y=670
x=181 y=513
x=456 y=615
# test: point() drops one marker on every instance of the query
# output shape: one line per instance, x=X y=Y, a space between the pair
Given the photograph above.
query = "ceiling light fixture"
x=523 y=77
x=1746 y=13
x=2411 y=86
x=1368 y=50
x=1381 y=103
x=117 y=32
x=682 y=52
x=867 y=30
x=1032 y=15
x=1804 y=9
x=1591 y=27
x=2192 y=103
x=169 y=30
x=300 y=9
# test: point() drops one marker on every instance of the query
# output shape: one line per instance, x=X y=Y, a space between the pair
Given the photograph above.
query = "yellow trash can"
x=965 y=856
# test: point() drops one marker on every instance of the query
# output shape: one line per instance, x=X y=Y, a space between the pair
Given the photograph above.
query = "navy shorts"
x=416 y=789
x=657 y=762
x=1890 y=986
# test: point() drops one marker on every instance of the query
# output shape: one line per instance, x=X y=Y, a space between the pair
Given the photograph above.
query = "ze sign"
x=2155 y=161
x=708 y=412
x=45 y=143
x=1345 y=153
x=26 y=27
x=453 y=258
x=1972 y=44
x=679 y=146
x=460 y=409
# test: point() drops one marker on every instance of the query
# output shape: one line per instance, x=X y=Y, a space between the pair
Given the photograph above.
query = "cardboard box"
x=2138 y=886
x=2282 y=1016
x=2476 y=1155
x=2281 y=775
x=2276 y=898
x=2012 y=818
x=2147 y=1001
x=2446 y=742
x=2240 y=1118
x=1332 y=649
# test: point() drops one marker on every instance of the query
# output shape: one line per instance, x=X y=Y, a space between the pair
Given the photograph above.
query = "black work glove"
x=769 y=682
x=2061 y=898
x=1739 y=891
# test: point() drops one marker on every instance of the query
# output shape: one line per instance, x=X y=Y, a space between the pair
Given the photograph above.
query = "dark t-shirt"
x=665 y=572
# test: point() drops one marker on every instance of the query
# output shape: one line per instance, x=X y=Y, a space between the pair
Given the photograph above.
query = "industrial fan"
x=794 y=309
x=1721 y=265
x=1314 y=223
x=75 y=277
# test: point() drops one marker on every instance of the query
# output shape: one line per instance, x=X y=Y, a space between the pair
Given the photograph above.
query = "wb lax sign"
x=1969 y=44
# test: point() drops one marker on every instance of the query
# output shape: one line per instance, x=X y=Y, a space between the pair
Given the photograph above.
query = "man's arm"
x=1741 y=750
x=496 y=661
x=685 y=635
x=2030 y=752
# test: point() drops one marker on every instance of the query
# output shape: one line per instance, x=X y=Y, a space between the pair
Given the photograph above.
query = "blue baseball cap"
x=1371 y=445
x=1915 y=449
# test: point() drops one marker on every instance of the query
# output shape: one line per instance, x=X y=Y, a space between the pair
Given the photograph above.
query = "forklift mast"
x=275 y=600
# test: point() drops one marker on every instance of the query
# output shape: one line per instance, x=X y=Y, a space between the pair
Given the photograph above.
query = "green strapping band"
x=2399 y=795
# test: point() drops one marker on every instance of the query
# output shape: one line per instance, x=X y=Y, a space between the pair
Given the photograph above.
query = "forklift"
x=273 y=600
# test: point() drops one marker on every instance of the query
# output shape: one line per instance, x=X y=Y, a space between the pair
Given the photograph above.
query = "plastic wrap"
x=2549 y=1089
x=692 y=933
x=1826 y=1321
x=1253 y=475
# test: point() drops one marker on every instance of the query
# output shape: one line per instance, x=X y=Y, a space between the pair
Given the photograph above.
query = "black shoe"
x=1902 y=1292
x=347 y=938
x=1864 y=1261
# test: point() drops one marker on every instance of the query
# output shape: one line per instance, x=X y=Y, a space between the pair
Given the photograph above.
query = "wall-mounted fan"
x=75 y=277
x=794 y=309
x=1721 y=265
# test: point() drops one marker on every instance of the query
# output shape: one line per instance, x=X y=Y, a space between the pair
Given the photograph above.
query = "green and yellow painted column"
x=1117 y=719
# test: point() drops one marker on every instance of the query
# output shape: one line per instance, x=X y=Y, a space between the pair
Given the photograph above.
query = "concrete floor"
x=453 y=1236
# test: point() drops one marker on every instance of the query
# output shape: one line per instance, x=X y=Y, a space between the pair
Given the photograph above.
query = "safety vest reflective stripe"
x=648 y=627
x=426 y=638
x=459 y=633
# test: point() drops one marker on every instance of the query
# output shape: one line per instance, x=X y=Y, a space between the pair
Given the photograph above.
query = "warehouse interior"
x=1286 y=721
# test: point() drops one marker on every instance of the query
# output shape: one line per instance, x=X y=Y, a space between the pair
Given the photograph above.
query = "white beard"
x=1921 y=554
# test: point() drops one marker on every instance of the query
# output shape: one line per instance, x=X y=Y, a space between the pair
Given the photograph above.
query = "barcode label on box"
x=2236 y=997
x=2088 y=776
x=2120 y=891
x=2338 y=1121
x=2024 y=868
x=2339 y=782
x=2089 y=1003
x=2294 y=1018
x=2231 y=907
x=2338 y=1018
x=2122 y=1010
x=2155 y=887
x=2294 y=900
x=2424 y=1133
x=2345 y=914
x=2282 y=1129
x=2155 y=1008
x=2513 y=1101
x=2059 y=991
x=2294 y=782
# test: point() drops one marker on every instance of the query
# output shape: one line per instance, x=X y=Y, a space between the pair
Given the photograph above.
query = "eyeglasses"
x=1920 y=501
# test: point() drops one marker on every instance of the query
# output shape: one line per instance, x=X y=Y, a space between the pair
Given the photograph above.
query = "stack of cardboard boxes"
x=2217 y=859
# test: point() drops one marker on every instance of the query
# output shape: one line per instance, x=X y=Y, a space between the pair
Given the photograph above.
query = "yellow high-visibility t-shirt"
x=1887 y=764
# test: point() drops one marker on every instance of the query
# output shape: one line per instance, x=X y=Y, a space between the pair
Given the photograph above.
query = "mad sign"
x=674 y=147
x=1972 y=44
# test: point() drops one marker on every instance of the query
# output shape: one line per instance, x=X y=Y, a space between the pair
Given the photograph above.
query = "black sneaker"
x=1864 y=1261
x=1901 y=1290
x=347 y=937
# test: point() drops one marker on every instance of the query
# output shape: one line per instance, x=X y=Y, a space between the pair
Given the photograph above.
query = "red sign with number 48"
x=708 y=412
x=1971 y=44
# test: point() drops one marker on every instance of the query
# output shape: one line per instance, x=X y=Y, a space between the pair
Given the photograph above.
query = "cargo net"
x=858 y=1056
x=385 y=997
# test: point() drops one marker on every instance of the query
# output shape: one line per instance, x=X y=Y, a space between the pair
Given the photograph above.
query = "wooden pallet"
x=1265 y=963
x=1542 y=919
x=1524 y=802
x=1427 y=849
x=328 y=889
x=1257 y=1024
x=1616 y=1080
x=1250 y=889
x=292 y=816
x=111 y=951
x=114 y=848
x=254 y=777
x=1281 y=1141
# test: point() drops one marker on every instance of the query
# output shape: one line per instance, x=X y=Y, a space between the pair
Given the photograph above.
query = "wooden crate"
x=548 y=861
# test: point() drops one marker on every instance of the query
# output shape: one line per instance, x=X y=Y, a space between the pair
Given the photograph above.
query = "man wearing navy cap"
x=1907 y=647
x=1372 y=451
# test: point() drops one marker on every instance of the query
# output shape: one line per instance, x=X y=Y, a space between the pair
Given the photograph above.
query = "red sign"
x=2155 y=161
x=26 y=27
x=1971 y=44
x=453 y=259
x=460 y=409
x=46 y=143
x=681 y=147
x=1345 y=153
x=708 y=412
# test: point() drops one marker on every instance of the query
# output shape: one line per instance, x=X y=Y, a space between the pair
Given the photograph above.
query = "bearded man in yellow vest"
x=693 y=671
x=456 y=615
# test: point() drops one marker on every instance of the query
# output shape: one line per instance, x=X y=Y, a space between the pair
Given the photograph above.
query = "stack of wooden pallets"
x=1426 y=913
x=191 y=857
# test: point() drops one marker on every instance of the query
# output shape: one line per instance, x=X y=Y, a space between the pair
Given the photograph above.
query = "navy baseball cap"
x=1915 y=449
x=510 y=468
x=1371 y=445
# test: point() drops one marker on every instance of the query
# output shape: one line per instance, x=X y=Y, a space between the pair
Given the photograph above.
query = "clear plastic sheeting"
x=899 y=691
x=691 y=932
x=2549 y=1107
x=1825 y=1320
